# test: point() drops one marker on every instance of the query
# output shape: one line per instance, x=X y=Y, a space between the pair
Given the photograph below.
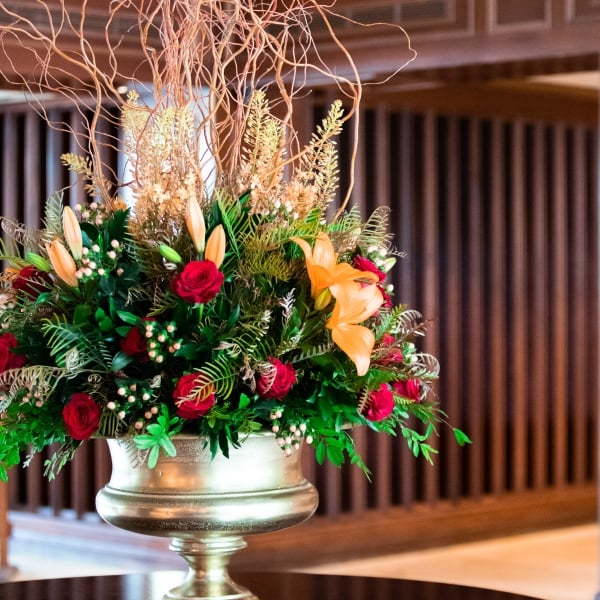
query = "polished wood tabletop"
x=267 y=586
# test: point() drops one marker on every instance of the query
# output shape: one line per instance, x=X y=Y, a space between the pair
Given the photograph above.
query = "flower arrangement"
x=218 y=308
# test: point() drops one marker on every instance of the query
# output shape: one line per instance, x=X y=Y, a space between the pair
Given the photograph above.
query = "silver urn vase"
x=206 y=506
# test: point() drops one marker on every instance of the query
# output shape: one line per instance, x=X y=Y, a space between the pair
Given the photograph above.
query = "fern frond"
x=253 y=342
x=73 y=350
x=19 y=238
x=309 y=353
x=53 y=217
x=258 y=259
x=40 y=378
x=346 y=231
x=403 y=323
x=375 y=231
x=426 y=366
x=110 y=425
x=221 y=374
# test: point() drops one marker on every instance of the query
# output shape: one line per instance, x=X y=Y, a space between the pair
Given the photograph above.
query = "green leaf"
x=144 y=442
x=120 y=361
x=81 y=314
x=461 y=437
x=153 y=457
x=244 y=400
x=167 y=445
x=335 y=454
x=108 y=285
x=320 y=452
x=128 y=317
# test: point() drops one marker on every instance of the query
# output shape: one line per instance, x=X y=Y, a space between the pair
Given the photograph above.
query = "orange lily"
x=354 y=303
x=323 y=269
x=194 y=220
x=215 y=246
x=62 y=262
x=72 y=232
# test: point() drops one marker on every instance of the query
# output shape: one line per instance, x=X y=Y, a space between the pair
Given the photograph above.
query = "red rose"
x=411 y=389
x=135 y=343
x=389 y=353
x=278 y=381
x=388 y=339
x=81 y=416
x=8 y=359
x=192 y=407
x=364 y=264
x=387 y=299
x=199 y=282
x=31 y=281
x=381 y=403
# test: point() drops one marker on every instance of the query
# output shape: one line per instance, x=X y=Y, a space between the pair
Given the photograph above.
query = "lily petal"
x=72 y=232
x=322 y=267
x=194 y=220
x=357 y=342
x=62 y=262
x=215 y=246
x=354 y=302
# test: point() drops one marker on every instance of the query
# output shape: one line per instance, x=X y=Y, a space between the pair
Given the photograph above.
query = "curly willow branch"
x=201 y=53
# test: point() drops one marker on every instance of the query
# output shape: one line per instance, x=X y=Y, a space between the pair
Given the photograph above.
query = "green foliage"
x=158 y=437
x=74 y=351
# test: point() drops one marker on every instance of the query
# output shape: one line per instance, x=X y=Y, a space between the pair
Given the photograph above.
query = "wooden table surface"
x=267 y=586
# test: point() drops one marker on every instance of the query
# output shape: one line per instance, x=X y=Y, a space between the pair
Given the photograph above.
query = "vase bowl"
x=207 y=505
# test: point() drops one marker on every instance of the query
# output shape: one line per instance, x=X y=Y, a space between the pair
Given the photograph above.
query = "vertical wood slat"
x=453 y=301
x=539 y=310
x=32 y=187
x=474 y=307
x=54 y=168
x=402 y=223
x=517 y=383
x=593 y=307
x=559 y=313
x=79 y=489
x=431 y=273
x=497 y=310
x=381 y=458
x=578 y=289
x=357 y=480
x=10 y=189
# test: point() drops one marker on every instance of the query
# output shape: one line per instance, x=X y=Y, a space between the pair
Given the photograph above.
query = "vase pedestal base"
x=208 y=559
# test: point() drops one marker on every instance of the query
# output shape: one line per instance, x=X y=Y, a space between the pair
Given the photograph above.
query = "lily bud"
x=72 y=232
x=169 y=253
x=39 y=262
x=194 y=220
x=62 y=263
x=215 y=246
